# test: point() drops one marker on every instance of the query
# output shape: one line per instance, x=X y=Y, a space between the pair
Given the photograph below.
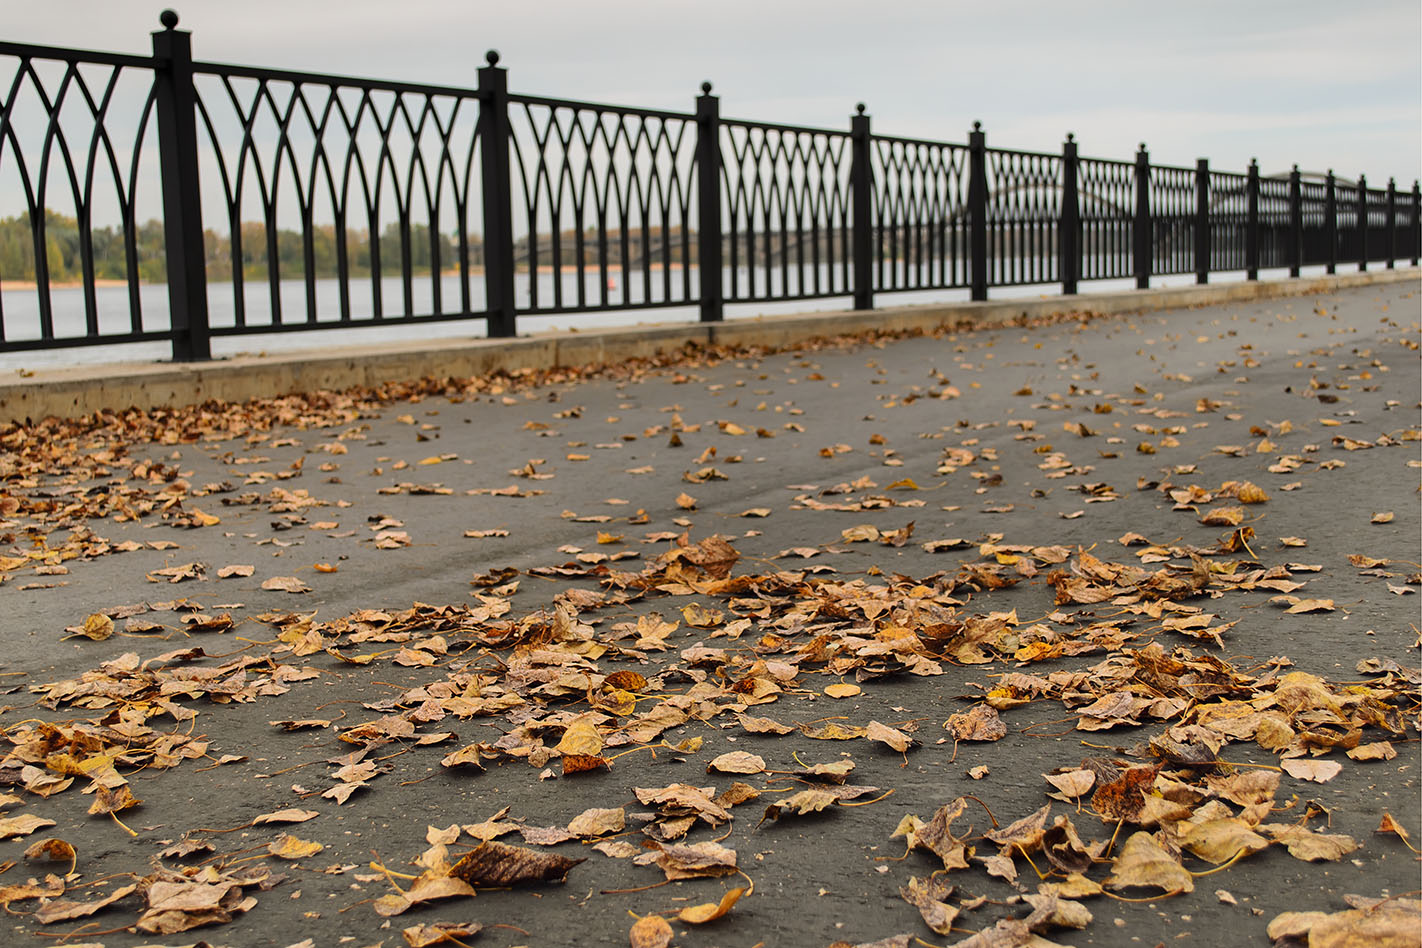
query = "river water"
x=21 y=311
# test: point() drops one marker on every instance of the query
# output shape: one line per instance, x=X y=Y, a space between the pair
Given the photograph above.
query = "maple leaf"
x=979 y=723
x=929 y=897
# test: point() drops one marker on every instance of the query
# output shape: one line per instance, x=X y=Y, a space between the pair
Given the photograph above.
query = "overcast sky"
x=1324 y=84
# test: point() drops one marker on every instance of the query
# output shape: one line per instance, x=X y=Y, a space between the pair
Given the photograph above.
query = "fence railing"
x=171 y=199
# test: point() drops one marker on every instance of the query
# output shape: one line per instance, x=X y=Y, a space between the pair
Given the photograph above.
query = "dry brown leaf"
x=291 y=815
x=439 y=933
x=650 y=931
x=1319 y=771
x=930 y=896
x=979 y=723
x=63 y=911
x=737 y=762
x=493 y=864
x=236 y=569
x=1303 y=843
x=1144 y=863
x=1390 y=923
x=598 y=821
x=289 y=584
x=892 y=737
x=1389 y=825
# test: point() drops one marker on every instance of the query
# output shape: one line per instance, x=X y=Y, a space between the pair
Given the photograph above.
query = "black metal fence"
x=289 y=201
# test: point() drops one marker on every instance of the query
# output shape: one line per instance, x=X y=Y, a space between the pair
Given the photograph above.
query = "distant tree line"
x=64 y=255
x=63 y=250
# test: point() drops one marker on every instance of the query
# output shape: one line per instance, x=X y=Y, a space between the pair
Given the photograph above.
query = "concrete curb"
x=82 y=390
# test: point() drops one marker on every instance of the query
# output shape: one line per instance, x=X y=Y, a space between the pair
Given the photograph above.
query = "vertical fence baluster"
x=1330 y=220
x=1295 y=222
x=1141 y=237
x=1417 y=221
x=1202 y=220
x=1391 y=223
x=1362 y=223
x=176 y=102
x=1251 y=221
x=708 y=207
x=861 y=185
x=1069 y=223
x=977 y=212
x=498 y=197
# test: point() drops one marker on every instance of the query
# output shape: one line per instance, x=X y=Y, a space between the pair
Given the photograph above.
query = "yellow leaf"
x=287 y=846
x=710 y=911
x=581 y=737
x=842 y=689
x=98 y=627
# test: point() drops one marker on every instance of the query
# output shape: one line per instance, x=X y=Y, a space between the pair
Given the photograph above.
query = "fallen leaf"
x=650 y=931
x=737 y=762
x=286 y=816
x=493 y=864
x=1143 y=863
x=1319 y=771
x=287 y=846
x=710 y=911
x=439 y=933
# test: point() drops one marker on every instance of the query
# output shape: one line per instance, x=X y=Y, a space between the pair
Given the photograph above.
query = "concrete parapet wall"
x=81 y=390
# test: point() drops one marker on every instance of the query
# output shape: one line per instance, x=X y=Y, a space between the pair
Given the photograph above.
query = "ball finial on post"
x=1071 y=136
x=706 y=87
x=169 y=19
x=977 y=126
x=859 y=108
x=492 y=57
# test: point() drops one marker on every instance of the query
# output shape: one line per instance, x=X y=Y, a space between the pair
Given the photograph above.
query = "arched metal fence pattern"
x=374 y=184
x=1107 y=192
x=920 y=203
x=155 y=198
x=603 y=204
x=1024 y=192
x=786 y=211
x=1173 y=217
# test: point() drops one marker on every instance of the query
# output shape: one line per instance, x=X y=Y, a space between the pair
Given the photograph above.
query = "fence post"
x=861 y=184
x=1251 y=221
x=1202 y=220
x=1295 y=221
x=708 y=204
x=1391 y=223
x=1069 y=225
x=1416 y=221
x=1362 y=223
x=176 y=102
x=1141 y=236
x=498 y=197
x=1330 y=221
x=977 y=212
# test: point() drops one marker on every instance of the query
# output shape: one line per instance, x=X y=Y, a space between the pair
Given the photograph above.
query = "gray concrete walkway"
x=1045 y=526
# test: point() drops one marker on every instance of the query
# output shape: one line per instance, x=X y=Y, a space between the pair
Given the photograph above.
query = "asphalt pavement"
x=962 y=470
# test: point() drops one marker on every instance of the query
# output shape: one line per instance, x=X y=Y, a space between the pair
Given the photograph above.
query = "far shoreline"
x=20 y=286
